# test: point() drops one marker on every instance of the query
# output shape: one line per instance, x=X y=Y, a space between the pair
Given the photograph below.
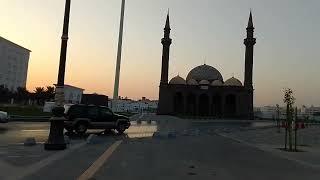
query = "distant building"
x=95 y=99
x=129 y=105
x=14 y=60
x=311 y=112
x=270 y=112
x=73 y=94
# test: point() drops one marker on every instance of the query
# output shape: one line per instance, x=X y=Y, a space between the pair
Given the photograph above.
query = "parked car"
x=4 y=118
x=83 y=117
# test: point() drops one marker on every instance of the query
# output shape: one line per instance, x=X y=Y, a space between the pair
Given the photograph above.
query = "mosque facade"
x=204 y=92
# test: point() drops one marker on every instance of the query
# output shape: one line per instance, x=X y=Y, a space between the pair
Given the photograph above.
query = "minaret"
x=166 y=42
x=250 y=41
x=163 y=106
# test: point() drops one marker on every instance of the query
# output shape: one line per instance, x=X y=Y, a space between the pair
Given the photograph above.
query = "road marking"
x=14 y=156
x=23 y=172
x=35 y=130
x=21 y=143
x=89 y=173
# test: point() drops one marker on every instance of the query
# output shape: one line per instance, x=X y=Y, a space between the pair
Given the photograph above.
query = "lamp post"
x=56 y=138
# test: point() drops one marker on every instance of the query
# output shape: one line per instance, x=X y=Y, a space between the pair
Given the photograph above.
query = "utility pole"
x=118 y=65
x=56 y=138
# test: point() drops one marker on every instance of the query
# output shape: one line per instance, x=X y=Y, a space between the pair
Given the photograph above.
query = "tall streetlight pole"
x=56 y=137
x=117 y=76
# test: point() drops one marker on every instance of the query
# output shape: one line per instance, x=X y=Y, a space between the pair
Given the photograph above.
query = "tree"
x=289 y=101
x=39 y=95
x=22 y=94
x=49 y=93
x=5 y=94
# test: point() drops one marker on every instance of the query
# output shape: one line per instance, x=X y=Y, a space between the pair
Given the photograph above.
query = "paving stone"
x=31 y=141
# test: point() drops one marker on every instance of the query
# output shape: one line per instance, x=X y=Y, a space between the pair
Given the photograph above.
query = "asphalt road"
x=191 y=156
x=16 y=132
x=201 y=157
x=205 y=157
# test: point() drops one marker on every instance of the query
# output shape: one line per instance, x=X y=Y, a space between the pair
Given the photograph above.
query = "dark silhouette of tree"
x=289 y=101
x=39 y=94
x=49 y=93
x=5 y=94
x=22 y=95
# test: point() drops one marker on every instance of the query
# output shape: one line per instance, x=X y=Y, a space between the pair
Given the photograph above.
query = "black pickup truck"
x=83 y=117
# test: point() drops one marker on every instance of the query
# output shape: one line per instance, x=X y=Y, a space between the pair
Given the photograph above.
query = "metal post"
x=117 y=75
x=56 y=138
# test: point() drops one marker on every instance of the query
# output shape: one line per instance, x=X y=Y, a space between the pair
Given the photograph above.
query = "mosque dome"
x=233 y=82
x=216 y=83
x=192 y=82
x=177 y=80
x=204 y=72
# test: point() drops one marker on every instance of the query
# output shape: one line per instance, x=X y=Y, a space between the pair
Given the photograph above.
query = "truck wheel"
x=81 y=128
x=121 y=128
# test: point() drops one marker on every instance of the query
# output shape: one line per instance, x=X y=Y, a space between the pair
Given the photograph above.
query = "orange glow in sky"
x=286 y=53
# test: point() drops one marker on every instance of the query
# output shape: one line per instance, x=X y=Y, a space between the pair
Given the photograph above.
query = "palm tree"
x=22 y=94
x=5 y=94
x=49 y=93
x=39 y=94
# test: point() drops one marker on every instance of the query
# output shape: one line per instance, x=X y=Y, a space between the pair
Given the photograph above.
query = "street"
x=190 y=157
x=195 y=151
x=17 y=132
x=208 y=157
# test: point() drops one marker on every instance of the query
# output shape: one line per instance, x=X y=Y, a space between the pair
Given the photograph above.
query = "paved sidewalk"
x=270 y=140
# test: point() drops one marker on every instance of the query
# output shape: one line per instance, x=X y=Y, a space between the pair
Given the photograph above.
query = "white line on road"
x=23 y=172
x=39 y=142
x=89 y=173
x=35 y=130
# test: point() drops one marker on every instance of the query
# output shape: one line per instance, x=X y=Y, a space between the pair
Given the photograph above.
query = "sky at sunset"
x=287 y=52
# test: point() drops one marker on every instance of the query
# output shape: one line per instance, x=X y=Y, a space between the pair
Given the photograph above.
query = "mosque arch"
x=231 y=105
x=204 y=106
x=216 y=105
x=191 y=104
x=178 y=103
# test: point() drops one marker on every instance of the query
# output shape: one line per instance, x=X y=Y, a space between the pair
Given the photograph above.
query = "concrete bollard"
x=30 y=141
x=67 y=139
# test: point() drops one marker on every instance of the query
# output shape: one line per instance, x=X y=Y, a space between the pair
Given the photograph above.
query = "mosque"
x=204 y=92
